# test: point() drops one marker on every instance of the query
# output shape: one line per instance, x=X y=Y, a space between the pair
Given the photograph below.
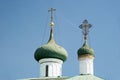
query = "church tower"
x=85 y=53
x=51 y=56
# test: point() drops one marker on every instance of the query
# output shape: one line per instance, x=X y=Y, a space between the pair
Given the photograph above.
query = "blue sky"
x=24 y=26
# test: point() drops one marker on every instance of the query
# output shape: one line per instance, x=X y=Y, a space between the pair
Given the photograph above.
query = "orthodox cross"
x=51 y=23
x=85 y=28
x=51 y=11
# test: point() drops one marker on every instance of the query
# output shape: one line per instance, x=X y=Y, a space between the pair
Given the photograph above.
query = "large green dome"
x=51 y=50
x=85 y=50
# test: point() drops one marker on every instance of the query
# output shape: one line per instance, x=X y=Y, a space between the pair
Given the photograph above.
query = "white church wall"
x=86 y=66
x=54 y=67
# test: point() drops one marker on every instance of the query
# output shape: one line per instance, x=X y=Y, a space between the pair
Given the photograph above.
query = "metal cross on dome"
x=85 y=28
x=51 y=11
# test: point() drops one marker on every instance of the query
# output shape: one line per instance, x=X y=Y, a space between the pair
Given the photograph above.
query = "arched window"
x=46 y=71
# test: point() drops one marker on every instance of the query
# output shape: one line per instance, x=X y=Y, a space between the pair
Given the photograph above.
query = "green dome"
x=85 y=49
x=51 y=50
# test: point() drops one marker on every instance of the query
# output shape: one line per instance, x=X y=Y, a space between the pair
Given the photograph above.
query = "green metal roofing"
x=85 y=49
x=79 y=77
x=84 y=77
x=51 y=50
x=47 y=78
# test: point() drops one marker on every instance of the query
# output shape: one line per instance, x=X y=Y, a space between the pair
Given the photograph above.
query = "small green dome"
x=51 y=50
x=85 y=49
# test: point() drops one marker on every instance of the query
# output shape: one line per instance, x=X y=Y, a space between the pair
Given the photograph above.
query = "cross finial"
x=51 y=11
x=85 y=27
